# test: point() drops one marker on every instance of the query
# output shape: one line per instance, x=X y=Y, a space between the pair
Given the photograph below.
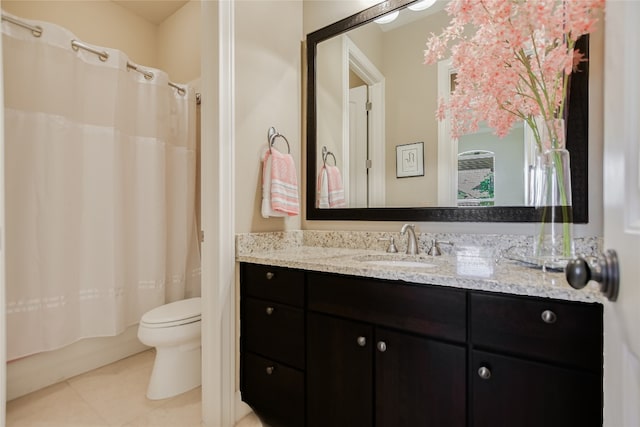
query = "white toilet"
x=174 y=330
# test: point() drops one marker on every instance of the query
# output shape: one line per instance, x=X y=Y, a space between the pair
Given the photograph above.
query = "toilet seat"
x=173 y=314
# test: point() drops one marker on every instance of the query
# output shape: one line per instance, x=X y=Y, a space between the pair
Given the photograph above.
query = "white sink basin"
x=400 y=263
x=397 y=260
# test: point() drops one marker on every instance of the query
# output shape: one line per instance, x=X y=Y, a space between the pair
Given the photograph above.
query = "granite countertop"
x=459 y=271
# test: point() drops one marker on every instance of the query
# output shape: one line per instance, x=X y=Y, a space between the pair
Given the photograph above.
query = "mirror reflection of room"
x=374 y=93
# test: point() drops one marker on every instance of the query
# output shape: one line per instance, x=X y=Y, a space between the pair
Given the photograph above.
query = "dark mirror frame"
x=577 y=125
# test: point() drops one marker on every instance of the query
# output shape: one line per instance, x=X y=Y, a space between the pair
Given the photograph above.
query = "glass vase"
x=553 y=242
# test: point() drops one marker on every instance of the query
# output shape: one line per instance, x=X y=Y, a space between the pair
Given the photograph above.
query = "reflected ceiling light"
x=421 y=5
x=389 y=17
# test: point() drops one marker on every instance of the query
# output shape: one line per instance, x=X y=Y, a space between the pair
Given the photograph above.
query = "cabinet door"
x=419 y=382
x=339 y=372
x=513 y=392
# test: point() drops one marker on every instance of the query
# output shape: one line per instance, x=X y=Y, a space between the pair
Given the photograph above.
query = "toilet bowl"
x=174 y=330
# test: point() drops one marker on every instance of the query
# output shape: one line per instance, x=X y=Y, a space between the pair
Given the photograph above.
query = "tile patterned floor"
x=111 y=396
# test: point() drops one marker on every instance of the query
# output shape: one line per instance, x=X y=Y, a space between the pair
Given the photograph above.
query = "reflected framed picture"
x=410 y=160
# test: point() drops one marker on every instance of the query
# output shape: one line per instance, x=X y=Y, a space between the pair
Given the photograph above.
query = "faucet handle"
x=392 y=244
x=435 y=247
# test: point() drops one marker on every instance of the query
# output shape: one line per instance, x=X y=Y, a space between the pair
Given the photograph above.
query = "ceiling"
x=154 y=11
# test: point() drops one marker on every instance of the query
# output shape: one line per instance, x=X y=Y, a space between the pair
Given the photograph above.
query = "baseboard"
x=44 y=369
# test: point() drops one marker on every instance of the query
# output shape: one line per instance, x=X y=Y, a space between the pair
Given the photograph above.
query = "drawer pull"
x=362 y=341
x=549 y=316
x=382 y=346
x=270 y=370
x=269 y=311
x=270 y=275
x=484 y=373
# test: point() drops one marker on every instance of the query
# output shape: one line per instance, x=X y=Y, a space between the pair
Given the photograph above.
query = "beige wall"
x=173 y=46
x=178 y=44
x=412 y=99
x=318 y=13
x=102 y=23
x=268 y=93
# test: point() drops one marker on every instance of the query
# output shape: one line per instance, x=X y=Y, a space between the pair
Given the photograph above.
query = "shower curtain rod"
x=37 y=31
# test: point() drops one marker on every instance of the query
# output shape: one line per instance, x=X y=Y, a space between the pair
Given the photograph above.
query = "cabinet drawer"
x=515 y=392
x=513 y=324
x=274 y=330
x=273 y=390
x=423 y=309
x=273 y=283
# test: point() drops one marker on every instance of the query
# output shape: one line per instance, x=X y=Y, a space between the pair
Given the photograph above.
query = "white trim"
x=447 y=147
x=357 y=61
x=218 y=202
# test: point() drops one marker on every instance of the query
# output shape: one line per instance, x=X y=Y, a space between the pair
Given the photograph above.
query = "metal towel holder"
x=326 y=153
x=272 y=134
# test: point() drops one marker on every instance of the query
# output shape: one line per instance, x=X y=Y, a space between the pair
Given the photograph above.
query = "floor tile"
x=117 y=392
x=184 y=410
x=250 y=420
x=55 y=406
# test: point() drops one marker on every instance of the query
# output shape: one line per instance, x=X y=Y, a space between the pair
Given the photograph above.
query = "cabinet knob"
x=362 y=341
x=548 y=316
x=270 y=370
x=484 y=373
x=269 y=311
x=270 y=275
x=381 y=346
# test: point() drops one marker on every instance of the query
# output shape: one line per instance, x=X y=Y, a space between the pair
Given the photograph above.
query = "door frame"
x=354 y=59
x=218 y=204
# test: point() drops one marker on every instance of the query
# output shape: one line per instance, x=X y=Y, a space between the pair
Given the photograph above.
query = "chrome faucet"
x=412 y=241
x=435 y=247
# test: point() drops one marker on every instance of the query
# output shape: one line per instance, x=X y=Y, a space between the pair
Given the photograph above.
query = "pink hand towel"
x=284 y=182
x=336 y=190
x=330 y=192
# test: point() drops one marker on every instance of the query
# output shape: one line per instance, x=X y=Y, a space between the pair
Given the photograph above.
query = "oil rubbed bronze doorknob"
x=602 y=269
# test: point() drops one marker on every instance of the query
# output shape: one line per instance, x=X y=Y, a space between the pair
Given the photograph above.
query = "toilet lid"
x=175 y=313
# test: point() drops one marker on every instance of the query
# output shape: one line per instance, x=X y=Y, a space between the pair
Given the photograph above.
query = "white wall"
x=319 y=13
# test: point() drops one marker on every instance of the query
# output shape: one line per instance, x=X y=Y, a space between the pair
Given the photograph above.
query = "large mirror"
x=371 y=106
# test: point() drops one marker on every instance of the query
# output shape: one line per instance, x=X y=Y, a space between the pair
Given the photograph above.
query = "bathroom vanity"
x=330 y=341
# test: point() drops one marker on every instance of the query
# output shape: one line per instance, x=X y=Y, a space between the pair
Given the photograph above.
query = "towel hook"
x=326 y=153
x=272 y=134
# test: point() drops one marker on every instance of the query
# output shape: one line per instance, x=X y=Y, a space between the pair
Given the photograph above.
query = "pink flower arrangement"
x=513 y=59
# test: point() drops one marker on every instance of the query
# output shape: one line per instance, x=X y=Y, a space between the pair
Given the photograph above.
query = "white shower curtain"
x=100 y=177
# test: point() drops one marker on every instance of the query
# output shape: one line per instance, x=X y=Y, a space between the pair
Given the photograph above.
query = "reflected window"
x=476 y=181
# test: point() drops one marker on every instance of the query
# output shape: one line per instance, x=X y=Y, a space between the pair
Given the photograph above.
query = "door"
x=419 y=382
x=356 y=191
x=622 y=212
x=339 y=372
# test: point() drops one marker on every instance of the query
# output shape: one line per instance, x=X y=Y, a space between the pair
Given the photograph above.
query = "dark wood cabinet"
x=339 y=372
x=535 y=362
x=272 y=343
x=358 y=373
x=328 y=350
x=361 y=372
x=511 y=391
x=419 y=381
